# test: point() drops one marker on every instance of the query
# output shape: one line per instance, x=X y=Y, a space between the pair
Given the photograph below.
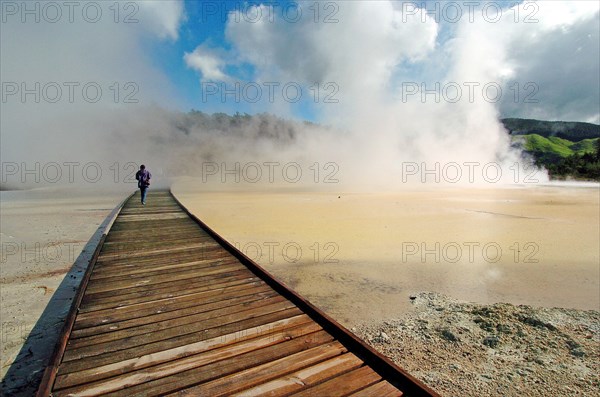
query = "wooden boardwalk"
x=169 y=307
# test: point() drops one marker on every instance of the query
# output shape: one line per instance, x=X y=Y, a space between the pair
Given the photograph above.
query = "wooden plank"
x=176 y=310
x=173 y=226
x=160 y=259
x=381 y=389
x=142 y=214
x=148 y=360
x=304 y=378
x=169 y=333
x=248 y=378
x=128 y=250
x=126 y=247
x=191 y=266
x=169 y=238
x=125 y=284
x=172 y=336
x=129 y=271
x=164 y=377
x=344 y=384
x=135 y=254
x=150 y=264
x=137 y=310
x=194 y=281
x=151 y=217
x=184 y=287
x=168 y=232
x=130 y=227
x=231 y=325
x=249 y=329
x=131 y=327
x=208 y=292
x=179 y=226
x=218 y=368
x=157 y=209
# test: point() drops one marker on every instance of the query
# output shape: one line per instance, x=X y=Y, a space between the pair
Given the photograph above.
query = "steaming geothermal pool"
x=360 y=256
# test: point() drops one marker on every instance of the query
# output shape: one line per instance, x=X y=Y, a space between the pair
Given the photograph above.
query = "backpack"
x=143 y=178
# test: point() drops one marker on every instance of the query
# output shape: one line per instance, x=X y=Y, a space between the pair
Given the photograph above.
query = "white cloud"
x=550 y=47
x=363 y=54
x=560 y=14
x=358 y=51
x=208 y=62
x=163 y=18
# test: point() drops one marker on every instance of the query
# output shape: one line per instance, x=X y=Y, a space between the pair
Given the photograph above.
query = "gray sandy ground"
x=47 y=237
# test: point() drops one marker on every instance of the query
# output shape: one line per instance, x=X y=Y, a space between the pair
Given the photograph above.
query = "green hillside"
x=566 y=149
x=585 y=146
x=571 y=130
x=562 y=157
x=553 y=148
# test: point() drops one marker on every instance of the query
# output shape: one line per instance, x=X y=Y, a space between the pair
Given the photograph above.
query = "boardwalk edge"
x=49 y=375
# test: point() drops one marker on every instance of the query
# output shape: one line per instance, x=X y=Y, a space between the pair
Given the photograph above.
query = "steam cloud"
x=375 y=54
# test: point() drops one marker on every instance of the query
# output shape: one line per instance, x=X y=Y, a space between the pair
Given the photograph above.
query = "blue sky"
x=205 y=23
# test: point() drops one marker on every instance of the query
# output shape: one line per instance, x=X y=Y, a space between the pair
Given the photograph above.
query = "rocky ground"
x=466 y=349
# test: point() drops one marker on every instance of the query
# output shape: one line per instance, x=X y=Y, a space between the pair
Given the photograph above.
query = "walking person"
x=143 y=177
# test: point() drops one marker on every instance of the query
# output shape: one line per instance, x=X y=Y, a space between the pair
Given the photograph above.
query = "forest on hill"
x=565 y=149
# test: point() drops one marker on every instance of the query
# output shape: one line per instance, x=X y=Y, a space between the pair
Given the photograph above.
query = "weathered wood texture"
x=169 y=308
